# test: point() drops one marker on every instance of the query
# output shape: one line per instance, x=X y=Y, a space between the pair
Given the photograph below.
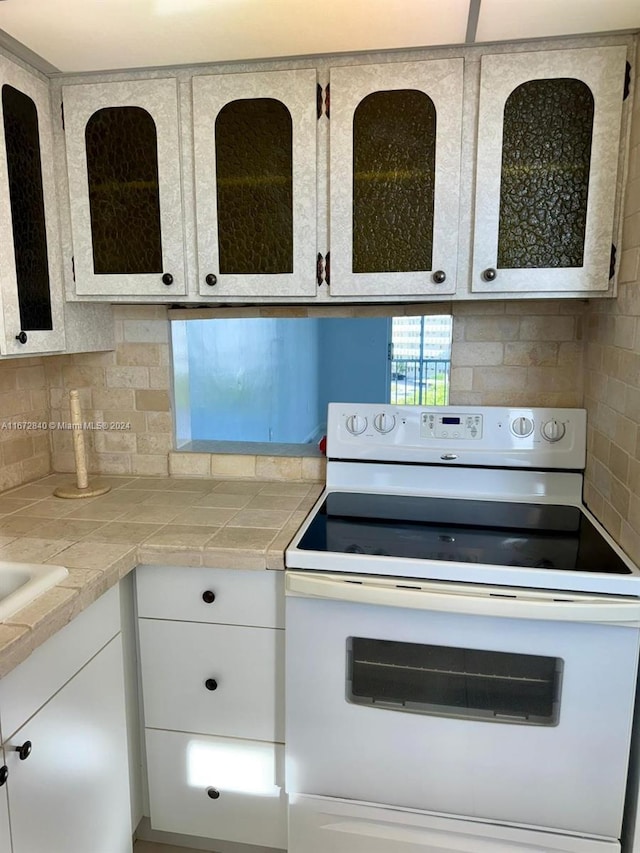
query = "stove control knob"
x=522 y=426
x=384 y=423
x=553 y=430
x=356 y=424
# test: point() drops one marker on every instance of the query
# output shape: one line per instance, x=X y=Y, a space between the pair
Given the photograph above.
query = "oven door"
x=502 y=705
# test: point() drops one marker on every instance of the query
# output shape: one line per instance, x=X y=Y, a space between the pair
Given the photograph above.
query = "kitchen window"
x=258 y=380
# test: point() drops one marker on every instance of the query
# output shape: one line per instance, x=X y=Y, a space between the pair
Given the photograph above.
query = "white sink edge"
x=43 y=578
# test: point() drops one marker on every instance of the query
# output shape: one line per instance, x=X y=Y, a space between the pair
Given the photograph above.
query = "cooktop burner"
x=499 y=533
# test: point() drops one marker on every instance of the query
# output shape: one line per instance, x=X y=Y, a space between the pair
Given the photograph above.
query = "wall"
x=24 y=454
x=129 y=385
x=612 y=384
x=504 y=353
x=349 y=350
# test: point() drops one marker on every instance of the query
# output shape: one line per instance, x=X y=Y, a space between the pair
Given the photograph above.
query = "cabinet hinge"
x=323 y=269
x=612 y=262
x=390 y=351
x=327 y=101
x=322 y=101
x=62 y=113
x=627 y=82
x=73 y=267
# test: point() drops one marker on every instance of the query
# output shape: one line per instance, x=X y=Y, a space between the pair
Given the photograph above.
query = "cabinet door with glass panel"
x=547 y=162
x=395 y=135
x=255 y=173
x=123 y=159
x=31 y=316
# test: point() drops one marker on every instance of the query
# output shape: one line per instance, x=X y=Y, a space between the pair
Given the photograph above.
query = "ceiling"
x=93 y=35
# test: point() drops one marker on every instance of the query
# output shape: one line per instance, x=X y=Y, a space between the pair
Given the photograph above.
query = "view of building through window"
x=271 y=379
x=420 y=360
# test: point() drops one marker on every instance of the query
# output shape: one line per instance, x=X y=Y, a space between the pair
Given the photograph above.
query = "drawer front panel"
x=185 y=770
x=239 y=597
x=181 y=663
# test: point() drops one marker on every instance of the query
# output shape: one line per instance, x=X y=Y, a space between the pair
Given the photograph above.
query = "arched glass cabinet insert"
x=254 y=181
x=26 y=197
x=124 y=201
x=544 y=188
x=548 y=151
x=394 y=163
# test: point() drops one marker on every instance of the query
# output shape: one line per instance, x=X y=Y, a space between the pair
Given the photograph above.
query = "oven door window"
x=454 y=682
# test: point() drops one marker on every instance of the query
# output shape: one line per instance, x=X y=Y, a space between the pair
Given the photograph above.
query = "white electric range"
x=462 y=640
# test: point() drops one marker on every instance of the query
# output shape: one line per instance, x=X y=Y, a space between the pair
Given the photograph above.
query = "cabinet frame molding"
x=442 y=81
x=160 y=99
x=296 y=89
x=602 y=69
x=46 y=340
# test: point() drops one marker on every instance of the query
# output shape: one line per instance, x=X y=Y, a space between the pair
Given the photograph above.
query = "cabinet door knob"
x=211 y=684
x=24 y=751
x=22 y=337
x=208 y=596
x=211 y=279
x=489 y=274
x=167 y=279
x=4 y=775
x=439 y=276
x=213 y=793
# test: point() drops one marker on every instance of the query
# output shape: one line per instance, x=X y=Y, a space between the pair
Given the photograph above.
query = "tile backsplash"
x=612 y=379
x=504 y=353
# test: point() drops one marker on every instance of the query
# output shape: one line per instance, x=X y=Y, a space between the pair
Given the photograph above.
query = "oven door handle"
x=472 y=600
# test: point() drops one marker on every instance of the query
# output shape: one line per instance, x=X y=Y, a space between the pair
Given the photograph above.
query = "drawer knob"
x=211 y=684
x=208 y=596
x=167 y=279
x=439 y=276
x=211 y=279
x=24 y=751
x=213 y=793
x=4 y=775
x=22 y=338
x=489 y=274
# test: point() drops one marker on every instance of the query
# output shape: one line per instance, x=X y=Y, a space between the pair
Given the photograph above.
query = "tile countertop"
x=235 y=524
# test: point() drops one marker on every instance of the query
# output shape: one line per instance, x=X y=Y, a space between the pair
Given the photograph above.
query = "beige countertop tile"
x=223 y=523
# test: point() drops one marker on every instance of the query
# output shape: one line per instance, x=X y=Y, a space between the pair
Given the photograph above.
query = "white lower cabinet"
x=212 y=666
x=68 y=778
x=324 y=825
x=5 y=837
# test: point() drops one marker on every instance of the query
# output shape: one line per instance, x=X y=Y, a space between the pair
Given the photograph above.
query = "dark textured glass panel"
x=122 y=167
x=254 y=174
x=24 y=168
x=394 y=158
x=546 y=154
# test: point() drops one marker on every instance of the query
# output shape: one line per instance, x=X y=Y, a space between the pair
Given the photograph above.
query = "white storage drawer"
x=244 y=668
x=247 y=777
x=320 y=825
x=239 y=597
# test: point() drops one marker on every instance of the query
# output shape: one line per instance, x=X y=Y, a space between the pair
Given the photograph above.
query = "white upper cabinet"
x=255 y=179
x=123 y=160
x=547 y=162
x=32 y=318
x=395 y=141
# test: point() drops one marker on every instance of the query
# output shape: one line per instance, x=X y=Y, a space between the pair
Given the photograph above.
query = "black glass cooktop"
x=541 y=536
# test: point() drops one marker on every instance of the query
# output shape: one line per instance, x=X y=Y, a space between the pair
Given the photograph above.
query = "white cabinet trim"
x=442 y=81
x=602 y=69
x=38 y=340
x=160 y=99
x=297 y=91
